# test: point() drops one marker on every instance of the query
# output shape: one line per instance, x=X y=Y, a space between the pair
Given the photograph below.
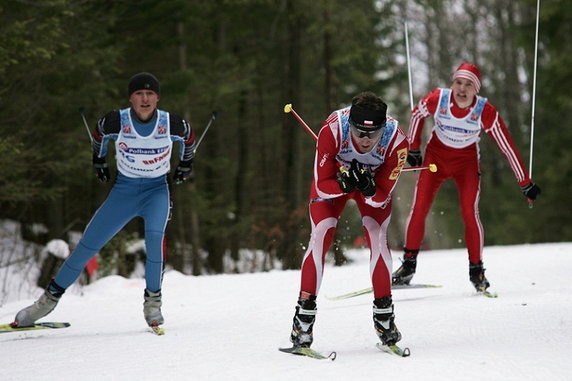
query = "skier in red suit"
x=460 y=115
x=359 y=156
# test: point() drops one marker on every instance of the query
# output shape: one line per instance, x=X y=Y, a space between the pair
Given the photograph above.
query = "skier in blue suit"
x=144 y=137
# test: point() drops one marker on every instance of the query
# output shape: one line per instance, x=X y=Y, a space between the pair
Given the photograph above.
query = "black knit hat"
x=367 y=119
x=143 y=81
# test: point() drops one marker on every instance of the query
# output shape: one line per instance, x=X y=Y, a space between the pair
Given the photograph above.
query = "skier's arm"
x=326 y=166
x=495 y=127
x=182 y=132
x=420 y=112
x=106 y=128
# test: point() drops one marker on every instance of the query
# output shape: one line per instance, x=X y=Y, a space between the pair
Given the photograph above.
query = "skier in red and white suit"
x=460 y=115
x=359 y=156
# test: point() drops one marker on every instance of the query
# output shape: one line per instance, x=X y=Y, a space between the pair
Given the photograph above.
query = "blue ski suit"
x=141 y=189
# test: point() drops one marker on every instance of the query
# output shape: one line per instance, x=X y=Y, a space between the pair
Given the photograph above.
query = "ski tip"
x=405 y=352
x=394 y=349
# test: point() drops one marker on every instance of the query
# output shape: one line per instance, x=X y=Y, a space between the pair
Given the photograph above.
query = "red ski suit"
x=453 y=147
x=335 y=148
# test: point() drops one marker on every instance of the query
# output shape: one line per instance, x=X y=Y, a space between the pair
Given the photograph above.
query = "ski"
x=488 y=294
x=414 y=285
x=5 y=328
x=302 y=351
x=394 y=350
x=394 y=287
x=157 y=330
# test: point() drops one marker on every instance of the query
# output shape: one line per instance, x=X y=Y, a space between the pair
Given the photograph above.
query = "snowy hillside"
x=230 y=326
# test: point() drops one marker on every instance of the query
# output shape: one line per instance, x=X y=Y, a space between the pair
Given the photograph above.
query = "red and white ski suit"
x=454 y=148
x=335 y=148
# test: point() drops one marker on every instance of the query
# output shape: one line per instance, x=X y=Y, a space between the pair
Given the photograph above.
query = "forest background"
x=246 y=59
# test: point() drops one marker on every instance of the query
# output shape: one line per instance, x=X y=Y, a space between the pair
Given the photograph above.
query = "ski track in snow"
x=230 y=326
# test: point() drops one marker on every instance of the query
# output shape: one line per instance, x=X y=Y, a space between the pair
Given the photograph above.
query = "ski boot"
x=405 y=272
x=152 y=308
x=41 y=307
x=383 y=321
x=303 y=321
x=477 y=276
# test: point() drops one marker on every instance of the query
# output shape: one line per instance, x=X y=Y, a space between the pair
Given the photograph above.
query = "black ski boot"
x=477 y=276
x=303 y=321
x=404 y=274
x=383 y=321
x=41 y=307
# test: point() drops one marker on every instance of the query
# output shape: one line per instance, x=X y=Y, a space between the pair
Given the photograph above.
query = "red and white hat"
x=469 y=71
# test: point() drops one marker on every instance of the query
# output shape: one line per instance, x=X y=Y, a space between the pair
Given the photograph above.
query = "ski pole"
x=81 y=112
x=534 y=90
x=408 y=65
x=288 y=108
x=431 y=167
x=211 y=120
x=530 y=201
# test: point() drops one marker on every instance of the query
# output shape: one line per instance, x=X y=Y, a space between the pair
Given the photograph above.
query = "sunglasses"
x=365 y=134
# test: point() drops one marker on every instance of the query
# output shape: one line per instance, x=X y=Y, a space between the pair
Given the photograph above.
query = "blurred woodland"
x=246 y=59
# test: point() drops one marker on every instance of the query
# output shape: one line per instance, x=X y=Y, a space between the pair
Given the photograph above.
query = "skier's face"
x=463 y=91
x=365 y=143
x=144 y=103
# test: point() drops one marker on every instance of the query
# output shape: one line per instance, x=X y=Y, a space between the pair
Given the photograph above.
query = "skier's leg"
x=468 y=186
x=156 y=211
x=324 y=216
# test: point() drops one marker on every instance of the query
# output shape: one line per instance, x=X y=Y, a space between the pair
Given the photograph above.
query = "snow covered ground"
x=230 y=326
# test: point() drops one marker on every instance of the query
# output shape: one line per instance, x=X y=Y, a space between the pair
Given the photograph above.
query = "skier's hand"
x=347 y=183
x=530 y=190
x=183 y=171
x=363 y=178
x=414 y=158
x=101 y=169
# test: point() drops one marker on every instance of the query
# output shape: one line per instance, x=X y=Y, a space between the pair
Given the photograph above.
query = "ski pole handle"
x=289 y=109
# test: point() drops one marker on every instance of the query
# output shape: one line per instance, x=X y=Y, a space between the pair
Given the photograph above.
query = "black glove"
x=183 y=171
x=530 y=190
x=363 y=178
x=101 y=169
x=346 y=182
x=414 y=158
